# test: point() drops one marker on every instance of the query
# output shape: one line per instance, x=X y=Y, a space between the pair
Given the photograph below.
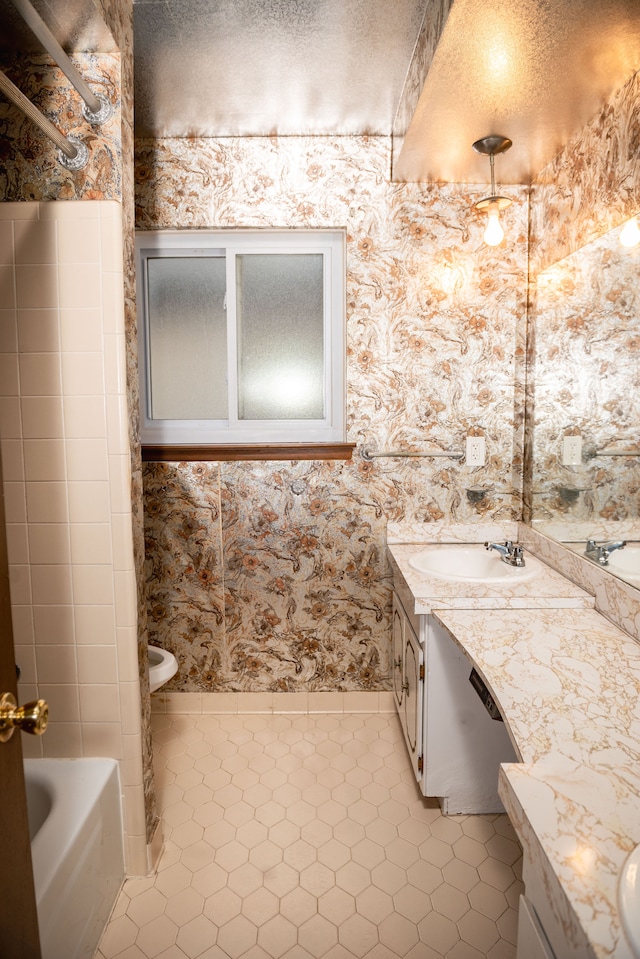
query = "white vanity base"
x=455 y=746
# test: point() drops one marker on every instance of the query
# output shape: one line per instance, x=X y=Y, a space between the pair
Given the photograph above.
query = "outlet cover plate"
x=475 y=452
x=571 y=450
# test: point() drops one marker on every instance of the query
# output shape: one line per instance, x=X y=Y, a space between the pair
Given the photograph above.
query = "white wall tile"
x=26 y=660
x=9 y=381
x=62 y=700
x=20 y=585
x=45 y=461
x=56 y=664
x=17 y=543
x=97 y=664
x=8 y=288
x=99 y=703
x=54 y=624
x=79 y=241
x=62 y=740
x=51 y=585
x=112 y=303
x=102 y=739
x=6 y=242
x=78 y=288
x=15 y=502
x=89 y=502
x=12 y=462
x=81 y=330
x=19 y=210
x=95 y=625
x=90 y=543
x=92 y=585
x=87 y=460
x=49 y=543
x=128 y=666
x=40 y=374
x=10 y=418
x=47 y=503
x=122 y=542
x=120 y=483
x=117 y=425
x=38 y=331
x=83 y=374
x=42 y=417
x=36 y=287
x=8 y=330
x=35 y=241
x=84 y=417
x=22 y=617
x=115 y=365
x=126 y=598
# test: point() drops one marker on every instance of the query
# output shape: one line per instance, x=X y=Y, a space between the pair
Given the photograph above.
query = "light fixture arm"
x=493 y=204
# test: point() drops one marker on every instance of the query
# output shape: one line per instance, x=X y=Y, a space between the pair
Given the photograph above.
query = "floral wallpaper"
x=585 y=375
x=592 y=185
x=273 y=576
x=583 y=320
x=30 y=169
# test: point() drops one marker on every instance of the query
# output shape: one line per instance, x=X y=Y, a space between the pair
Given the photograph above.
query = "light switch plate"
x=475 y=453
x=571 y=450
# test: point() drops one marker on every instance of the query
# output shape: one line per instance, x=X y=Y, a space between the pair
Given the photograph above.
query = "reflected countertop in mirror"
x=584 y=401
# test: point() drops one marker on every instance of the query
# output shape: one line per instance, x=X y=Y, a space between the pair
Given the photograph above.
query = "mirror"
x=584 y=402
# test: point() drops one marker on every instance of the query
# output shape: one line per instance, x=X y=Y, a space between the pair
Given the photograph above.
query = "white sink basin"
x=629 y=899
x=472 y=564
x=626 y=563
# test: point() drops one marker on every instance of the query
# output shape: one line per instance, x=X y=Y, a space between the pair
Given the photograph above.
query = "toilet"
x=163 y=665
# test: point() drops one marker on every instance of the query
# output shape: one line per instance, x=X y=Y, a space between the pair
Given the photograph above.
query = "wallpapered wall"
x=273 y=576
x=592 y=186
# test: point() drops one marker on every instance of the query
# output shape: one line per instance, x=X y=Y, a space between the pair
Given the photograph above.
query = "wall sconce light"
x=630 y=233
x=491 y=146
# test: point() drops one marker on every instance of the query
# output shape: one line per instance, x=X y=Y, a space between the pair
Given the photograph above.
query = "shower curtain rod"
x=96 y=108
x=74 y=152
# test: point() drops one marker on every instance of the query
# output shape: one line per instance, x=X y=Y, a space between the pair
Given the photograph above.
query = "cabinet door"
x=532 y=942
x=397 y=649
x=413 y=698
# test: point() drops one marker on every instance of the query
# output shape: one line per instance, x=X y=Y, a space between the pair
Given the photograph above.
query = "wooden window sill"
x=253 y=451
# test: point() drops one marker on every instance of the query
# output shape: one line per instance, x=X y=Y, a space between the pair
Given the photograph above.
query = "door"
x=413 y=691
x=397 y=650
x=19 y=937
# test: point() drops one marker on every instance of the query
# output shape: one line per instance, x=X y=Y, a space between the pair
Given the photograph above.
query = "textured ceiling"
x=532 y=70
x=261 y=67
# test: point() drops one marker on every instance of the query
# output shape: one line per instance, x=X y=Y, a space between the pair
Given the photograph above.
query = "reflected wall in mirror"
x=584 y=416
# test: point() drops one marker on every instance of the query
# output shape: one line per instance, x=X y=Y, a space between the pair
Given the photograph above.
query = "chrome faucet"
x=600 y=553
x=510 y=554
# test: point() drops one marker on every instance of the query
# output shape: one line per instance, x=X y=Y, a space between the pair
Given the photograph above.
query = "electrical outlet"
x=571 y=450
x=475 y=451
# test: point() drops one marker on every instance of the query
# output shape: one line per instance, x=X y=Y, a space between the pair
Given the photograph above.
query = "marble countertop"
x=568 y=686
x=547 y=589
x=567 y=682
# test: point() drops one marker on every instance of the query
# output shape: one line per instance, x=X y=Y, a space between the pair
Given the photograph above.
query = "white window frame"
x=330 y=244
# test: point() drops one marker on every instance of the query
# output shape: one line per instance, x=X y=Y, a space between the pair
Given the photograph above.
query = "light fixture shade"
x=630 y=233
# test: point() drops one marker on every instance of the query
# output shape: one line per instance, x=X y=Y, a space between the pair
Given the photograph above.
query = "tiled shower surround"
x=273 y=576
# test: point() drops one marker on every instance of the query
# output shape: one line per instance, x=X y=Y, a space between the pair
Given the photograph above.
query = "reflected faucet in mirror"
x=600 y=552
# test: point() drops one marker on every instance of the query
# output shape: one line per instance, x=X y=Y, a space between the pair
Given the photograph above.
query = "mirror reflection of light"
x=630 y=233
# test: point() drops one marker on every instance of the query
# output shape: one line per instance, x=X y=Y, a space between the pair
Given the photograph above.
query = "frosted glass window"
x=187 y=330
x=280 y=316
x=242 y=336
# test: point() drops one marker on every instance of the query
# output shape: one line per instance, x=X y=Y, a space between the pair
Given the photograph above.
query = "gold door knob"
x=31 y=718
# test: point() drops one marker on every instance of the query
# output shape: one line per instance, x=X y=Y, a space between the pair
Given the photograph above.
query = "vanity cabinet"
x=454 y=745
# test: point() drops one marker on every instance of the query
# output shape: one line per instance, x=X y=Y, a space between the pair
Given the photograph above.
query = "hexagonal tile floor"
x=305 y=837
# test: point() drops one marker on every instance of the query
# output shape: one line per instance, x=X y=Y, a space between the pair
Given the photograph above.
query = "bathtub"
x=75 y=825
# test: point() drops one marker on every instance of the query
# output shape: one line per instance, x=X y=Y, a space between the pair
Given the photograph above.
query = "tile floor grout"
x=306 y=837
